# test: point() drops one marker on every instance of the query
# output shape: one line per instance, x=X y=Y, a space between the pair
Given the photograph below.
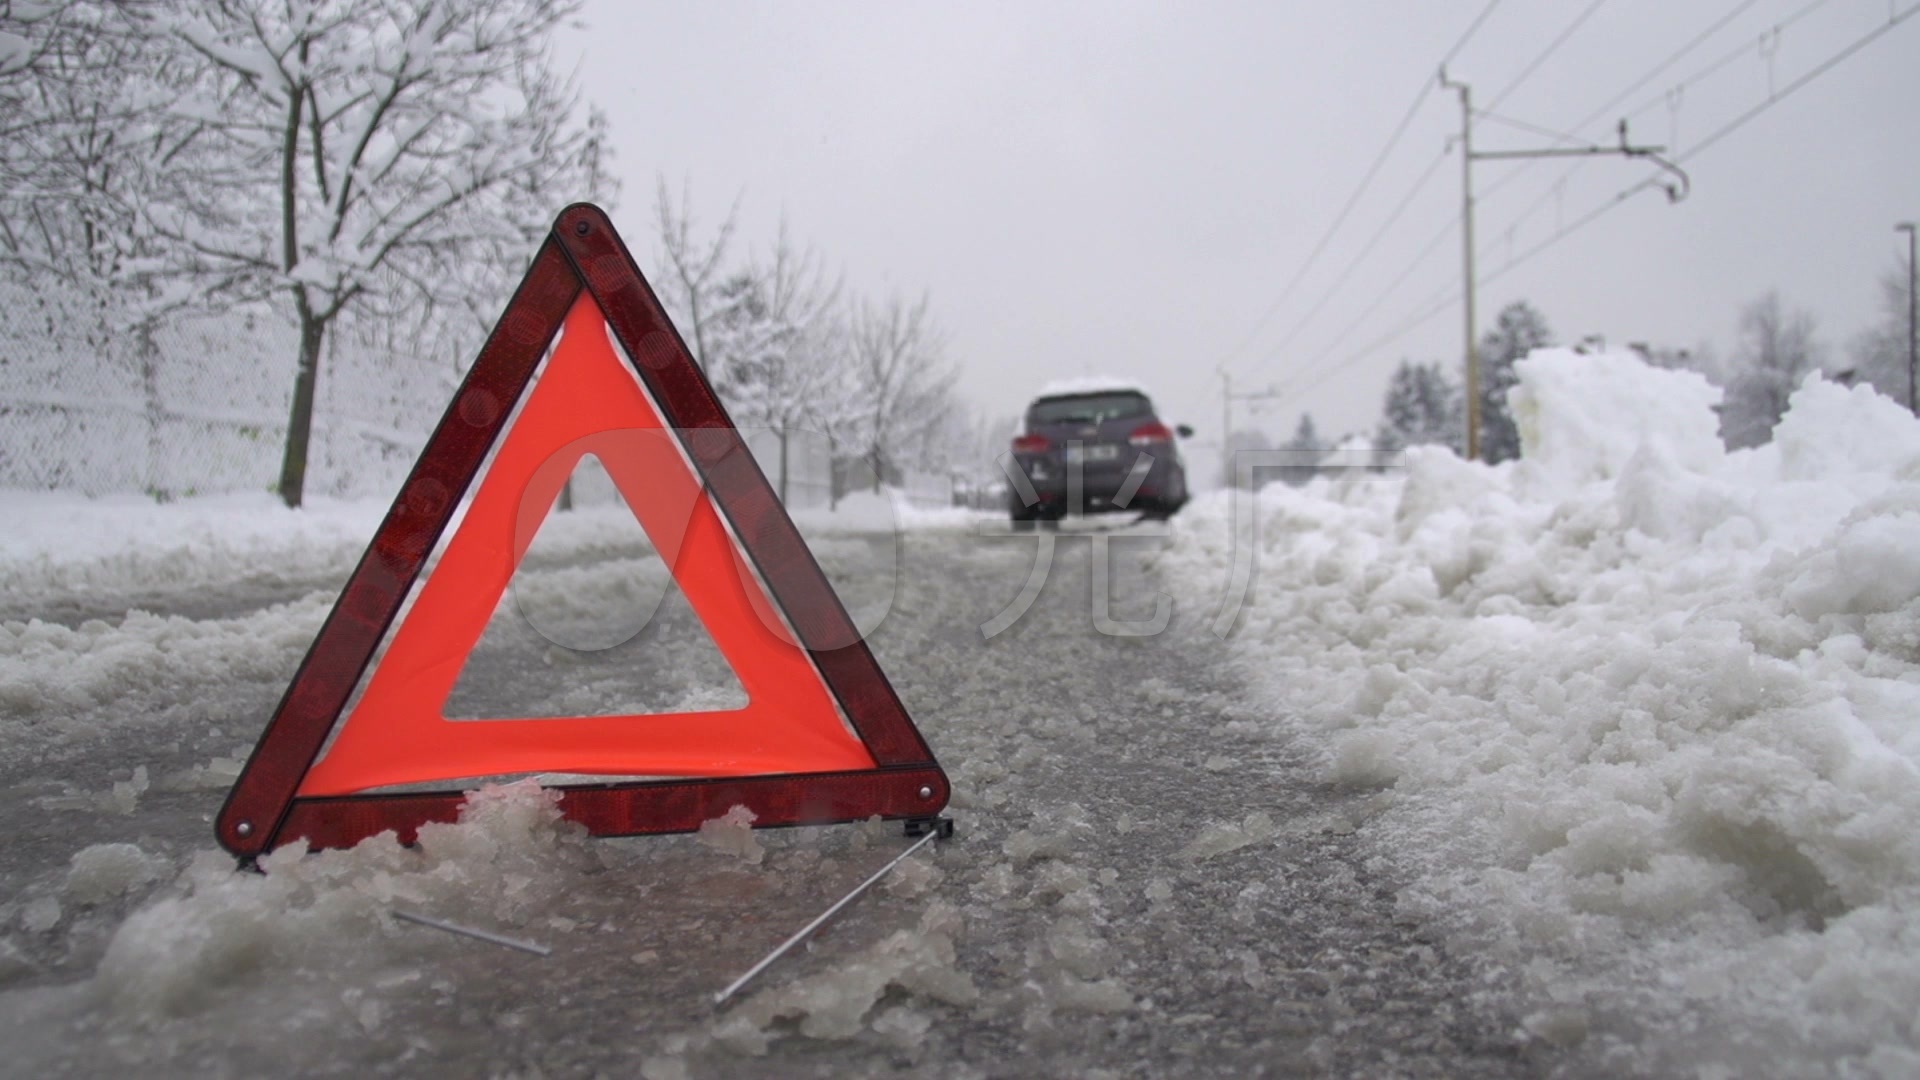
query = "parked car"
x=1093 y=451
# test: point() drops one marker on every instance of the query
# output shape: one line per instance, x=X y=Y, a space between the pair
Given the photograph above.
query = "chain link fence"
x=193 y=404
x=197 y=404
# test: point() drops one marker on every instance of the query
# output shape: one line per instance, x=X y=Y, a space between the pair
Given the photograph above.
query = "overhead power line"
x=1353 y=264
x=1316 y=372
x=1373 y=170
x=1718 y=134
x=1713 y=68
x=1535 y=129
x=1545 y=53
x=1426 y=251
x=1651 y=74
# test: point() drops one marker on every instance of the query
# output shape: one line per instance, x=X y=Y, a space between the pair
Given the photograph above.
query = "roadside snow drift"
x=1647 y=709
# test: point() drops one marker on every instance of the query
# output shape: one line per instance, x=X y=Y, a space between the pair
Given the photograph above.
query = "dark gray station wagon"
x=1095 y=452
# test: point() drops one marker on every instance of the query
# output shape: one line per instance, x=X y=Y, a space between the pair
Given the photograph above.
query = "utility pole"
x=1468 y=155
x=1913 y=330
x=1227 y=398
x=1466 y=228
x=1226 y=428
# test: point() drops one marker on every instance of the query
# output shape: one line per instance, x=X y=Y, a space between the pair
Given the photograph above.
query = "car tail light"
x=1151 y=433
x=1031 y=444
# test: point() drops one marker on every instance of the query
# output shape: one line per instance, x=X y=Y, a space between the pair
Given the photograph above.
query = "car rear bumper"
x=1096 y=487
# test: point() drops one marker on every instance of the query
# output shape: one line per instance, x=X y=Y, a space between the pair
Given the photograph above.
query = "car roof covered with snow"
x=1091 y=384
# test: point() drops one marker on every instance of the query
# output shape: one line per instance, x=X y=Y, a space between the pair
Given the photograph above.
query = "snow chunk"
x=1056 y=838
x=664 y=1067
x=1219 y=839
x=1581 y=416
x=13 y=963
x=509 y=853
x=834 y=1004
x=1077 y=995
x=105 y=871
x=41 y=914
x=732 y=834
x=1366 y=758
x=125 y=798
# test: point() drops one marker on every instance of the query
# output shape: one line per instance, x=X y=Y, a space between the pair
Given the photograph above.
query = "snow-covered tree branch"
x=363 y=153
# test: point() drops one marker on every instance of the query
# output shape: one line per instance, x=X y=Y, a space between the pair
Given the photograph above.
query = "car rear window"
x=1088 y=408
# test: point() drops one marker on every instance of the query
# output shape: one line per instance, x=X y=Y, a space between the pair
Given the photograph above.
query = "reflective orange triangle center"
x=586 y=400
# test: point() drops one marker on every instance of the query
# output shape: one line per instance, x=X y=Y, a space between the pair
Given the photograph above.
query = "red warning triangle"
x=653 y=420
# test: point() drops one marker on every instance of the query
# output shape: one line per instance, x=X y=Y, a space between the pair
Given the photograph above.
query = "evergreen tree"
x=1776 y=351
x=1246 y=474
x=1304 y=452
x=1518 y=331
x=1422 y=408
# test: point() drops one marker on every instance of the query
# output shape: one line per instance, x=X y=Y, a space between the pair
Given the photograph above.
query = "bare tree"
x=695 y=269
x=901 y=380
x=779 y=330
x=84 y=90
x=377 y=154
x=1776 y=351
x=1879 y=354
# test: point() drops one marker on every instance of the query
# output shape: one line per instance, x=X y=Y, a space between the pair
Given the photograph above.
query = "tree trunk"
x=293 y=466
x=149 y=353
x=783 y=466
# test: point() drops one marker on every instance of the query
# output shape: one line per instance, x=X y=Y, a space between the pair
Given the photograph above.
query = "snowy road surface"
x=1140 y=885
x=1603 y=762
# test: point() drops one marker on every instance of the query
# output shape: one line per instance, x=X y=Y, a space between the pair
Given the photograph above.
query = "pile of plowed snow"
x=1648 y=712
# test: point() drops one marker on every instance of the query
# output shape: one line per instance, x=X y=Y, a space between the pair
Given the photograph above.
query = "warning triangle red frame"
x=582 y=253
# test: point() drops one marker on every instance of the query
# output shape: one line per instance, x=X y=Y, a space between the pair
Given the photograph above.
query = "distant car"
x=1092 y=451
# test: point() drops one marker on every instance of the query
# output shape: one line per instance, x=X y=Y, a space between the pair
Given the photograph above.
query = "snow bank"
x=885 y=512
x=72 y=544
x=1647 y=709
x=509 y=857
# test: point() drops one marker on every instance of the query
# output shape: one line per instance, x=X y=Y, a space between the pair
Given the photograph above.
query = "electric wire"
x=1674 y=57
x=1536 y=129
x=1419 y=259
x=1428 y=311
x=1703 y=145
x=1353 y=264
x=1366 y=180
x=1698 y=39
x=1545 y=54
x=1732 y=55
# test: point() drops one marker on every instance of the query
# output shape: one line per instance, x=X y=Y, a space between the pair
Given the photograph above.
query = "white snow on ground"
x=509 y=855
x=886 y=511
x=69 y=546
x=72 y=544
x=1649 y=712
x=75 y=544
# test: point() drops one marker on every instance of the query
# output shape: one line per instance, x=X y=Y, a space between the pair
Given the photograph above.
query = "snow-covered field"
x=1646 y=713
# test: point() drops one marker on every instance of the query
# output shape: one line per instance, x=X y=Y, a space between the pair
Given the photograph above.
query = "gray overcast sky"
x=1128 y=189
